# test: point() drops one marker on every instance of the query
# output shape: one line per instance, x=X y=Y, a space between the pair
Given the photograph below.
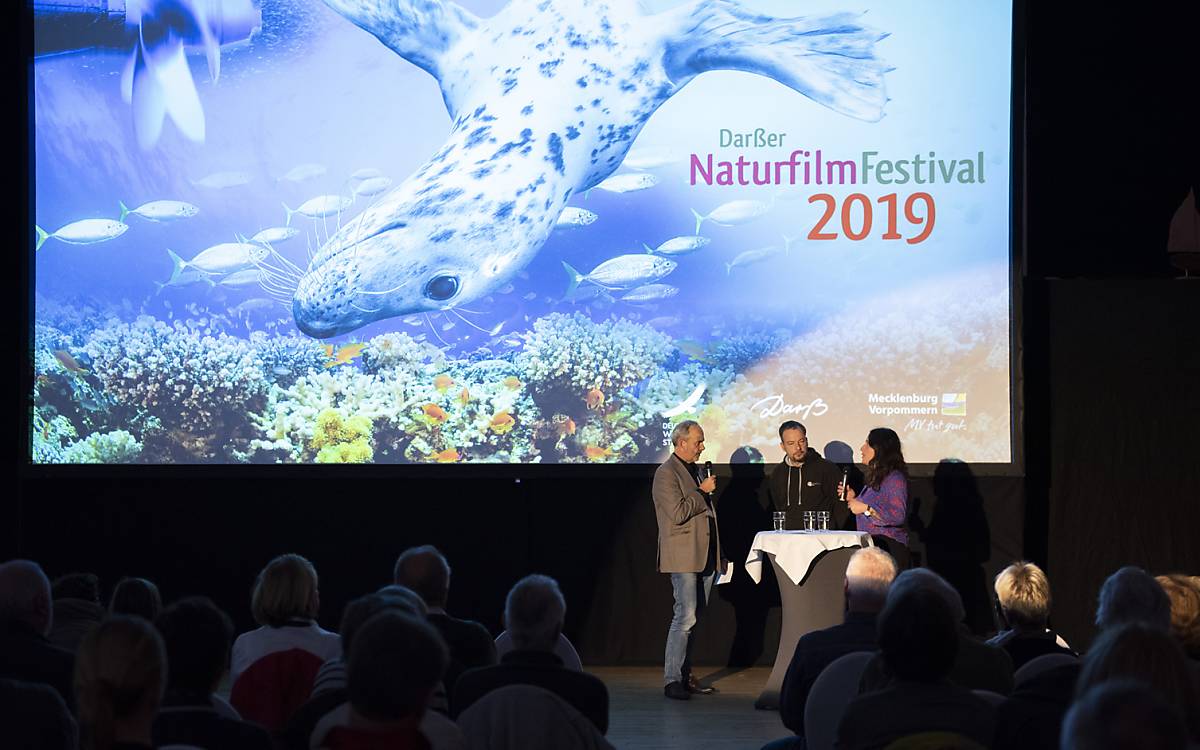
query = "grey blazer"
x=682 y=514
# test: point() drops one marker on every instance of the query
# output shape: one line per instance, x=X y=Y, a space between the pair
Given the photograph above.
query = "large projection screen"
x=358 y=231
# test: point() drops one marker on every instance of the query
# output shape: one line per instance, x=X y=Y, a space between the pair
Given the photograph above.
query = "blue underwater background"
x=128 y=371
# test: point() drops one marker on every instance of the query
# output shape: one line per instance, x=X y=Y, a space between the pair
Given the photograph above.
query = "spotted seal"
x=546 y=98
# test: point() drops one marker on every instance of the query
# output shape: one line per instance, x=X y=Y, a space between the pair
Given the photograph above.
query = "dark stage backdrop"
x=597 y=537
x=1124 y=415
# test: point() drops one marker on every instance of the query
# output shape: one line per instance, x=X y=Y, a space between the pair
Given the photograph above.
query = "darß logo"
x=774 y=406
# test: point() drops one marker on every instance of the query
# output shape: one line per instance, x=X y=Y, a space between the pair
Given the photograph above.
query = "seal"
x=546 y=98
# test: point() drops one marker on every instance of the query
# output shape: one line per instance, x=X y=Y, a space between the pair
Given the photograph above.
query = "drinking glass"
x=810 y=520
x=780 y=520
x=823 y=520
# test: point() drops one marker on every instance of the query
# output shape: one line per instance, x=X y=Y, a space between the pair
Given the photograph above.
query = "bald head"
x=926 y=580
x=424 y=570
x=869 y=574
x=25 y=595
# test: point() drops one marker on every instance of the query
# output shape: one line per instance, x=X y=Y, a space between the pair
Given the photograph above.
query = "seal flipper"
x=829 y=58
x=420 y=31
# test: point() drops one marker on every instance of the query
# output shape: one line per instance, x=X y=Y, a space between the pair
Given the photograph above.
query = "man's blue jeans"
x=691 y=599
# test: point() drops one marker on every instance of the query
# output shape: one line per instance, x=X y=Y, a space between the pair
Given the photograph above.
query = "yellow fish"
x=345 y=355
x=66 y=360
x=443 y=382
x=464 y=397
x=564 y=424
x=502 y=423
x=435 y=413
x=594 y=453
x=512 y=382
x=448 y=456
x=594 y=399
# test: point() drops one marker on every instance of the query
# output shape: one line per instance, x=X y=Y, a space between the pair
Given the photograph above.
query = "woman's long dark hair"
x=888 y=456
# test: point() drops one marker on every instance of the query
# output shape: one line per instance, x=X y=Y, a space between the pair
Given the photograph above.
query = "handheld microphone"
x=708 y=469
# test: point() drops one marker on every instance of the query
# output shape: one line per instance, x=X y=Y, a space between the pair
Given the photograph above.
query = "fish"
x=160 y=211
x=245 y=277
x=531 y=126
x=448 y=456
x=502 y=423
x=226 y=257
x=280 y=371
x=693 y=349
x=328 y=349
x=663 y=321
x=595 y=453
x=373 y=186
x=621 y=272
x=319 y=207
x=530 y=297
x=464 y=397
x=273 y=235
x=747 y=257
x=732 y=213
x=345 y=355
x=156 y=80
x=366 y=173
x=573 y=218
x=443 y=382
x=434 y=413
x=506 y=289
x=679 y=245
x=223 y=180
x=66 y=360
x=594 y=399
x=650 y=293
x=261 y=303
x=649 y=158
x=563 y=424
x=83 y=232
x=448 y=326
x=303 y=172
x=512 y=382
x=628 y=183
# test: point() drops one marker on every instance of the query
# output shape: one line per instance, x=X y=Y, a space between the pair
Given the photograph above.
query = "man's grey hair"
x=682 y=429
x=924 y=578
x=534 y=612
x=869 y=575
x=1132 y=595
x=22 y=583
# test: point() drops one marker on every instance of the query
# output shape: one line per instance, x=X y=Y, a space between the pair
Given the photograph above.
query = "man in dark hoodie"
x=803 y=481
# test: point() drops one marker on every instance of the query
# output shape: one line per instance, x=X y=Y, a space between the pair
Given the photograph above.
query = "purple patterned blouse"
x=889 y=508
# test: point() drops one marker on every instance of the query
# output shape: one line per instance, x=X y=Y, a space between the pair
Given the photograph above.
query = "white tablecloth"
x=796 y=550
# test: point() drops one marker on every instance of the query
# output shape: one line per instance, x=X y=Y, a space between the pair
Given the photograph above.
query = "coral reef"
x=573 y=354
x=283 y=359
x=199 y=387
x=342 y=440
x=116 y=447
x=743 y=349
x=50 y=436
x=399 y=351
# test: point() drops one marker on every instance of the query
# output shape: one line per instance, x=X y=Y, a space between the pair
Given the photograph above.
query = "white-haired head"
x=25 y=595
x=534 y=613
x=869 y=575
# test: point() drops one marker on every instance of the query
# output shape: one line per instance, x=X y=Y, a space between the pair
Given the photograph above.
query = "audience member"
x=1131 y=595
x=869 y=573
x=26 y=618
x=330 y=704
x=1184 y=594
x=426 y=571
x=34 y=715
x=1142 y=652
x=918 y=641
x=977 y=666
x=1024 y=597
x=563 y=649
x=136 y=596
x=534 y=613
x=120 y=674
x=1122 y=715
x=76 y=608
x=395 y=664
x=197 y=637
x=274 y=666
x=1032 y=716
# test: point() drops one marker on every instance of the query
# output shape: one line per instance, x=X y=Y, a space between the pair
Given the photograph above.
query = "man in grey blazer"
x=689 y=549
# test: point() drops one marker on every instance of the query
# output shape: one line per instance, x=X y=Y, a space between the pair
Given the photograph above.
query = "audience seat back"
x=937 y=740
x=563 y=649
x=835 y=687
x=991 y=697
x=526 y=717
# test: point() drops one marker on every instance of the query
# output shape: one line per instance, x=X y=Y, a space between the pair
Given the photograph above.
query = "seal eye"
x=441 y=288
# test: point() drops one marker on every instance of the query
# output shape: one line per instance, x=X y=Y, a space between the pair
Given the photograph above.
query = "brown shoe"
x=696 y=688
x=677 y=691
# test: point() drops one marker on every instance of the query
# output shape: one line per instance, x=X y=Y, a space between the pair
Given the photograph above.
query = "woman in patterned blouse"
x=882 y=508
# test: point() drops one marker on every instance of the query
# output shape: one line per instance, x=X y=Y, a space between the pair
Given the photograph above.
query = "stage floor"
x=640 y=716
